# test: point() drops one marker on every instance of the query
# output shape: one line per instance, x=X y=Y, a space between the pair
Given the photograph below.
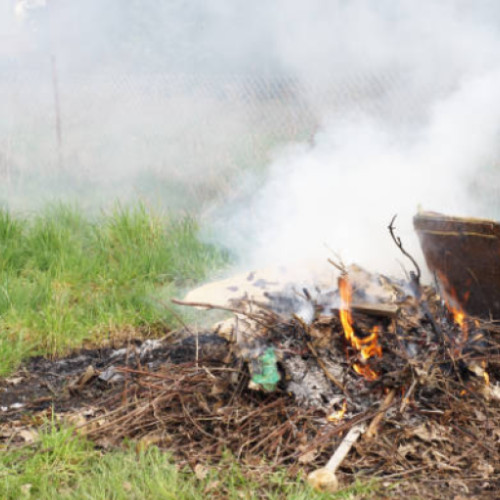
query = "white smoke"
x=409 y=97
x=162 y=101
x=301 y=124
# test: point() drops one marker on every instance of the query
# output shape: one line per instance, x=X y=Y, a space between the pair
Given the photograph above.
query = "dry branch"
x=372 y=428
x=399 y=244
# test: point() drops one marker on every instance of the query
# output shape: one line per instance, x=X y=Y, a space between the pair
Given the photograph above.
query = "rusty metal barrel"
x=464 y=254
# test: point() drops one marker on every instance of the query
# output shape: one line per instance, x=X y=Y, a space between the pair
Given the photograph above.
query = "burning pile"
x=374 y=348
x=300 y=372
x=355 y=345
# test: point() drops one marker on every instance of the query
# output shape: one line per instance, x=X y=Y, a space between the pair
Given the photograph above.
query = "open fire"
x=460 y=330
x=367 y=345
x=430 y=371
x=364 y=346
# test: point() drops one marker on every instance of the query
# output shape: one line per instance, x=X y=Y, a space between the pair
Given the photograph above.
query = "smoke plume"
x=407 y=99
x=292 y=127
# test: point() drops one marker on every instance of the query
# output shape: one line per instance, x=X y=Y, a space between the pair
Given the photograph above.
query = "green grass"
x=62 y=465
x=66 y=277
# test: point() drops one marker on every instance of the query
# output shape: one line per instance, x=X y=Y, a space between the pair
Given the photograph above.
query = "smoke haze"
x=407 y=98
x=291 y=126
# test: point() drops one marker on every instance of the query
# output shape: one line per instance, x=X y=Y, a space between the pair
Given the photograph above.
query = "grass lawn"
x=66 y=277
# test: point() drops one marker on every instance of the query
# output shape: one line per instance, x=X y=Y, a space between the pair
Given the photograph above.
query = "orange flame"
x=338 y=415
x=459 y=318
x=365 y=371
x=453 y=304
x=368 y=346
x=345 y=290
x=485 y=373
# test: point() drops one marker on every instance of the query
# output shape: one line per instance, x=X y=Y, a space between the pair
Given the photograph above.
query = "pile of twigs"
x=202 y=412
x=432 y=423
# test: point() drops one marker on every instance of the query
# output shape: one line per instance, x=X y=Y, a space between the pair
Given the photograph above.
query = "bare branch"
x=399 y=244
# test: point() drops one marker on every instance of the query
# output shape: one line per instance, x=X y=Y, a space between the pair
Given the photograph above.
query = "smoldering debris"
x=69 y=383
x=385 y=372
x=273 y=388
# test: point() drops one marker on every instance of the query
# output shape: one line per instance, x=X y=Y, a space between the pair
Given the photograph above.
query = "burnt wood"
x=464 y=253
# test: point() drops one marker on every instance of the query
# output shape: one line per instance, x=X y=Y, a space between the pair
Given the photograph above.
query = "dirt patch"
x=70 y=383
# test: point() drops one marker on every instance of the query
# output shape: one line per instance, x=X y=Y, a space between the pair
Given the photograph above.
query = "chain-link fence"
x=120 y=121
x=139 y=132
x=116 y=127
